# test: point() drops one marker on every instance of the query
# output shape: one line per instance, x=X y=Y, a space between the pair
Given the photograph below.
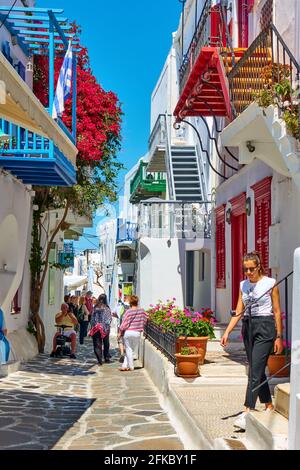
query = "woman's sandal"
x=123 y=370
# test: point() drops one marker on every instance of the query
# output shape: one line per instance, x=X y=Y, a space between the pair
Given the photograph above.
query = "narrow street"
x=77 y=405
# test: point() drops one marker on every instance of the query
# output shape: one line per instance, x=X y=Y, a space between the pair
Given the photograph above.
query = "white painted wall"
x=159 y=272
x=15 y=210
x=294 y=415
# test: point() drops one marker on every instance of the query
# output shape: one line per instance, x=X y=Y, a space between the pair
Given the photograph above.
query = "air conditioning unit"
x=126 y=255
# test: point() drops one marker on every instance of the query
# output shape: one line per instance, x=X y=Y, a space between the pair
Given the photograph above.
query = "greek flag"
x=63 y=89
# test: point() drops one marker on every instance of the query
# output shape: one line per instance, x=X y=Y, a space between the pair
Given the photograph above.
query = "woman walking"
x=266 y=330
x=134 y=320
x=83 y=319
x=100 y=328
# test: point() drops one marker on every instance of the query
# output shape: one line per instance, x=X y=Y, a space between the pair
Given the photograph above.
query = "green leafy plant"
x=188 y=351
x=31 y=328
x=278 y=91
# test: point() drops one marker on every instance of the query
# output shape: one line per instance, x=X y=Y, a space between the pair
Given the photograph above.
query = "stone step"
x=282 y=399
x=9 y=368
x=228 y=444
x=266 y=431
x=235 y=335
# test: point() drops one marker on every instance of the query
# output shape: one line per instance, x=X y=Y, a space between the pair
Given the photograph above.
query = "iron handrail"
x=199 y=40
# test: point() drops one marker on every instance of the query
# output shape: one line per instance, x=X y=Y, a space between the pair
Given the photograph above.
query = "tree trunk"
x=38 y=278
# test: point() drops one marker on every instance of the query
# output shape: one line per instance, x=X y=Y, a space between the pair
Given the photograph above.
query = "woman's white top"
x=254 y=290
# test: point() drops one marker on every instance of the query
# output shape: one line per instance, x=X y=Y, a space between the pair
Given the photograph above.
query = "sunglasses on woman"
x=250 y=269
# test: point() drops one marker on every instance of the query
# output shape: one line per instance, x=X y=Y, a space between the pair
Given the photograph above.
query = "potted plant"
x=278 y=361
x=196 y=328
x=187 y=362
x=193 y=329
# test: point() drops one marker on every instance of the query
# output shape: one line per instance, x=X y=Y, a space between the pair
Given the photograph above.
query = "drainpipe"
x=182 y=26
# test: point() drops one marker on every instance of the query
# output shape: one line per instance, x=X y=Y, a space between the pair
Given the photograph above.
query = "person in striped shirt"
x=133 y=322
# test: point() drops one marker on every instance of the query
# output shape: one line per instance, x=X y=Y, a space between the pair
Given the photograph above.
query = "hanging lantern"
x=29 y=66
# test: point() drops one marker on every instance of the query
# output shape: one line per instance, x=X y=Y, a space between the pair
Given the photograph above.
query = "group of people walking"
x=258 y=306
x=83 y=312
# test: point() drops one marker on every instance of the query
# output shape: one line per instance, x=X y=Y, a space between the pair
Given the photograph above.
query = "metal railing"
x=165 y=342
x=267 y=61
x=126 y=231
x=201 y=38
x=149 y=178
x=21 y=142
x=171 y=219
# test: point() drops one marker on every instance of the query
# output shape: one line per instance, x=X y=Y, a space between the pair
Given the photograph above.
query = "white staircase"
x=269 y=430
x=186 y=174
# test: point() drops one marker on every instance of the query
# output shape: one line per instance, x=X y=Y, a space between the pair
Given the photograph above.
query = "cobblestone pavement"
x=65 y=404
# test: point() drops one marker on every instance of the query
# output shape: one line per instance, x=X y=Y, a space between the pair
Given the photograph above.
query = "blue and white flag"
x=63 y=89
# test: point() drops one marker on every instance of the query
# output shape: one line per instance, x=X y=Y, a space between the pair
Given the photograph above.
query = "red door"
x=238 y=243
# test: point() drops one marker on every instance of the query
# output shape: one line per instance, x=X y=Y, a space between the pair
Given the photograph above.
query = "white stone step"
x=266 y=431
x=228 y=444
x=282 y=399
x=9 y=368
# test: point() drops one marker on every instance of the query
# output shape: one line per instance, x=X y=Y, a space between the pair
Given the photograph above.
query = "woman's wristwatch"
x=279 y=337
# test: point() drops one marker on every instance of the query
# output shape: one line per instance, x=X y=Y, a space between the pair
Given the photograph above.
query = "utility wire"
x=7 y=15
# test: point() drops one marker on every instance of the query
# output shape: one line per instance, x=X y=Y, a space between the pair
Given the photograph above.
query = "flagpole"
x=74 y=103
x=51 y=65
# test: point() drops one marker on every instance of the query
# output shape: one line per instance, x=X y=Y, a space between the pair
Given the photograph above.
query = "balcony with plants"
x=34 y=147
x=264 y=91
x=147 y=184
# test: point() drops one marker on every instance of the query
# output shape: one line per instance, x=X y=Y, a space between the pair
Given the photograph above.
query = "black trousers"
x=83 y=331
x=98 y=341
x=263 y=333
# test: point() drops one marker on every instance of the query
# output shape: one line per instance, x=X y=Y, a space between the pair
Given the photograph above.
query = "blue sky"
x=128 y=43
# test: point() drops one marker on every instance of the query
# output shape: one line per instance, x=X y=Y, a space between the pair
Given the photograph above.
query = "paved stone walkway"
x=77 y=405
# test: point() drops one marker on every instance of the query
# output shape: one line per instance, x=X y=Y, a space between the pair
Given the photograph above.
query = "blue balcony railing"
x=66 y=257
x=33 y=158
x=126 y=231
x=38 y=31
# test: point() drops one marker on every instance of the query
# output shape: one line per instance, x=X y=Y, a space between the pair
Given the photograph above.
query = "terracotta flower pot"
x=275 y=363
x=197 y=342
x=187 y=365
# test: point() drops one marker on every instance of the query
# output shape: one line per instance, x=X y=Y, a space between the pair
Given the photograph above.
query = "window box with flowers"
x=192 y=329
x=276 y=362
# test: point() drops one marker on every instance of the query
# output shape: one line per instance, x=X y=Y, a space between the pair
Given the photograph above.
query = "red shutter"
x=262 y=195
x=243 y=26
x=220 y=248
x=238 y=243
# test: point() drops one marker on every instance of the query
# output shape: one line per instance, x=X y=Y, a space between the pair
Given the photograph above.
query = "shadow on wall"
x=8 y=255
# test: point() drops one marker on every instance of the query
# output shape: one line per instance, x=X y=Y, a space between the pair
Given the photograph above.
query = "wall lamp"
x=248 y=206
x=250 y=146
x=228 y=216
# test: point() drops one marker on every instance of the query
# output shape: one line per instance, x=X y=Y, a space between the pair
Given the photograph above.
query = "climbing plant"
x=99 y=118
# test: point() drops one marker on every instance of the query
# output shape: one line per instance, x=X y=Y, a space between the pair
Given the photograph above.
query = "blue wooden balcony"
x=66 y=257
x=33 y=159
